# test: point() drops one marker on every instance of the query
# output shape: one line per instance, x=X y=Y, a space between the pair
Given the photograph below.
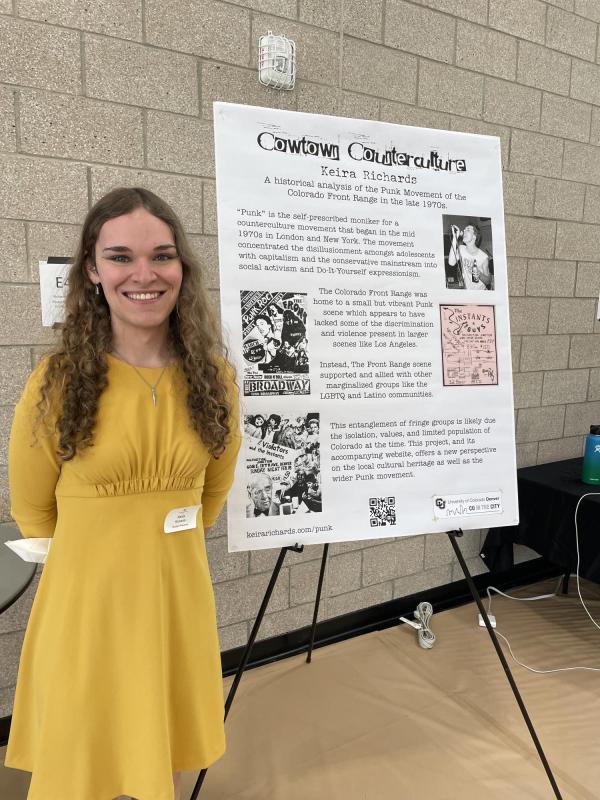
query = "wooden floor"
x=379 y=718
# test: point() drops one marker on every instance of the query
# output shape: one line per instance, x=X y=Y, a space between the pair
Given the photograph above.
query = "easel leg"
x=246 y=656
x=452 y=535
x=317 y=602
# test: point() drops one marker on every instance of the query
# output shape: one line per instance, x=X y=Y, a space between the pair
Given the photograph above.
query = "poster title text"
x=358 y=151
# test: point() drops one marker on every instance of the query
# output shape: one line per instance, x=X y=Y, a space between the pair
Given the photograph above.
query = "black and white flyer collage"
x=275 y=345
x=364 y=294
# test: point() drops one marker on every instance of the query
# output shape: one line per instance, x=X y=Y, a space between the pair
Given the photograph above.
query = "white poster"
x=53 y=289
x=364 y=295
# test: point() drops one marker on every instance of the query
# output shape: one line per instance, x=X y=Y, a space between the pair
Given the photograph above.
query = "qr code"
x=383 y=511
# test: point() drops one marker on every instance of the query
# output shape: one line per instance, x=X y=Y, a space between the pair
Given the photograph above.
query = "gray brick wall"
x=120 y=91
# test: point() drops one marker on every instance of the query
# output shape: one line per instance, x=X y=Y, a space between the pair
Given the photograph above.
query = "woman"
x=132 y=417
x=271 y=428
x=262 y=332
x=276 y=317
x=254 y=426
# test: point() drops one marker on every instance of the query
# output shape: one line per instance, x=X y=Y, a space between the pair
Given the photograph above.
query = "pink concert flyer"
x=468 y=338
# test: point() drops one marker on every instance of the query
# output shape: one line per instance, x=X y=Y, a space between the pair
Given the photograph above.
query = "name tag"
x=181 y=519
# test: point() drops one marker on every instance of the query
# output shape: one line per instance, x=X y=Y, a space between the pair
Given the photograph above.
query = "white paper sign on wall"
x=53 y=289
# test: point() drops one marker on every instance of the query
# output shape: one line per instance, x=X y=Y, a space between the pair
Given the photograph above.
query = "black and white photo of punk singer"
x=468 y=252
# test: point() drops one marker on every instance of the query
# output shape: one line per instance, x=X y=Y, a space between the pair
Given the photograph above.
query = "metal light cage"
x=276 y=61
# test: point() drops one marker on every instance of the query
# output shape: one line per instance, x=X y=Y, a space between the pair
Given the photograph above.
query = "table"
x=548 y=495
x=15 y=574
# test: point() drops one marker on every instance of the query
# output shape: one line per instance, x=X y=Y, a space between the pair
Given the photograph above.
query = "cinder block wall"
x=120 y=92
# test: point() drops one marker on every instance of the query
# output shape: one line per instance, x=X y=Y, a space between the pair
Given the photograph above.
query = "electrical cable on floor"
x=422 y=614
x=426 y=636
x=545 y=671
x=544 y=597
x=520 y=599
x=589 y=494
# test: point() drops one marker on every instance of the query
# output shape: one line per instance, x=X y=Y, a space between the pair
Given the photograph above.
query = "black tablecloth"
x=548 y=495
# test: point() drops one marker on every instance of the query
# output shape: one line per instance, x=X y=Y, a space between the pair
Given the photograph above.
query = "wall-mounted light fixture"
x=276 y=61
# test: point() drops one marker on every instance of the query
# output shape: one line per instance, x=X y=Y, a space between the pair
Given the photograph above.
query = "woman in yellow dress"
x=134 y=416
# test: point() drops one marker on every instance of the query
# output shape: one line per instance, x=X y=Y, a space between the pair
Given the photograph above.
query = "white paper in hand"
x=32 y=549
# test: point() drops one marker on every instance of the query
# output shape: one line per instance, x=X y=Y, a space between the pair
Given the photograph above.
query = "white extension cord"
x=491 y=589
x=423 y=615
x=546 y=596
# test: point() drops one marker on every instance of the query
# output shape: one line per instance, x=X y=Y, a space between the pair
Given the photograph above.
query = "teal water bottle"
x=591 y=456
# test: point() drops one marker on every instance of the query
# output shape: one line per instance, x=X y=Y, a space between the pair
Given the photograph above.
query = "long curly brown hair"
x=76 y=371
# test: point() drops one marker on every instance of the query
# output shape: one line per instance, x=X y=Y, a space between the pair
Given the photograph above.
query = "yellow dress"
x=119 y=682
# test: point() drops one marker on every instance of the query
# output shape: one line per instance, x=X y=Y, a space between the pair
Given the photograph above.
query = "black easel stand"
x=452 y=535
x=317 y=602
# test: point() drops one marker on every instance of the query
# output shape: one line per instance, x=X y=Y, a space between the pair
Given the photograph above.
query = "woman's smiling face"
x=139 y=269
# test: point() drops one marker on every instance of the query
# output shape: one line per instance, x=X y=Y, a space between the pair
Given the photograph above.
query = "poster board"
x=364 y=296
